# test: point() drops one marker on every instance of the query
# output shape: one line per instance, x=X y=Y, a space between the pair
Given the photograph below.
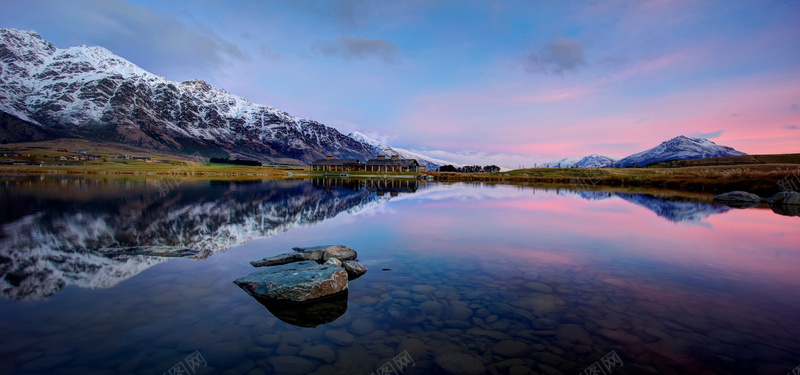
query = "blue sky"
x=508 y=82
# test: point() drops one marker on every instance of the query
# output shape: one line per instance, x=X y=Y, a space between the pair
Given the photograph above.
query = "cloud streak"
x=709 y=135
x=358 y=48
x=560 y=56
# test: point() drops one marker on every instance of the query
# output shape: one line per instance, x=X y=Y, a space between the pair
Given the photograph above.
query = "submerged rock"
x=297 y=282
x=738 y=199
x=455 y=363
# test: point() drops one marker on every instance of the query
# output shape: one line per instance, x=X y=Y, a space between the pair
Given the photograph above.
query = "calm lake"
x=462 y=278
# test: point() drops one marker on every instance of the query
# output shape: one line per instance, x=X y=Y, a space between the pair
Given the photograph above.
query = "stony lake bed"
x=463 y=278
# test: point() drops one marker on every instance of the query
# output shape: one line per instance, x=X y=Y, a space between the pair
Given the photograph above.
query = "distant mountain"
x=678 y=148
x=591 y=161
x=563 y=163
x=88 y=92
x=379 y=148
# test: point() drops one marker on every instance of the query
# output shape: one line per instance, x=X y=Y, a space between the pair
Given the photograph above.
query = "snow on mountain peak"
x=379 y=148
x=84 y=89
x=591 y=161
x=678 y=148
x=28 y=40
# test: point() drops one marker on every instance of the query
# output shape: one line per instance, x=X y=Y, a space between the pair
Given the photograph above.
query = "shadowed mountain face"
x=57 y=232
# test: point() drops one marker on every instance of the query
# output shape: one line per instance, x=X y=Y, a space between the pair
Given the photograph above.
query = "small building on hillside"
x=337 y=165
x=393 y=164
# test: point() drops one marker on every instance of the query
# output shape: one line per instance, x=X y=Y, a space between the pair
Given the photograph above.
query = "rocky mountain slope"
x=90 y=92
x=678 y=148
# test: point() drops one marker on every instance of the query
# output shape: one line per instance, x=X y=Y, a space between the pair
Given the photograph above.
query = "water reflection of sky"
x=739 y=243
x=731 y=282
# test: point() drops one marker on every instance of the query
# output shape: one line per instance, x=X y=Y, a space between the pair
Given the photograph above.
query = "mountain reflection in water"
x=64 y=231
x=50 y=240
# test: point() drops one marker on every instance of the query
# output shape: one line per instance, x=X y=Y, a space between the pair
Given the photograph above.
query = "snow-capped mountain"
x=563 y=163
x=678 y=148
x=591 y=161
x=380 y=148
x=90 y=92
x=44 y=251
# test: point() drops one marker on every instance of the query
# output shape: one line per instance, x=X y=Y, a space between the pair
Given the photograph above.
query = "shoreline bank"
x=764 y=180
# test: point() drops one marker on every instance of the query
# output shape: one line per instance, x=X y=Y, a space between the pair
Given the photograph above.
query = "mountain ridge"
x=677 y=148
x=91 y=93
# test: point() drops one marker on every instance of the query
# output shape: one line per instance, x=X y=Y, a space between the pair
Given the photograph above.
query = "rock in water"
x=340 y=252
x=280 y=259
x=786 y=197
x=297 y=282
x=354 y=269
x=319 y=254
x=738 y=199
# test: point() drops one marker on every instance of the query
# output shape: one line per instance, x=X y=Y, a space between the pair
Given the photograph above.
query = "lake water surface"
x=463 y=278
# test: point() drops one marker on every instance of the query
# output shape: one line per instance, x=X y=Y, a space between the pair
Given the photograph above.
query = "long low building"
x=394 y=164
x=381 y=164
x=337 y=165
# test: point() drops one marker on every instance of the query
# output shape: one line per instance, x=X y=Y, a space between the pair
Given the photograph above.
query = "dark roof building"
x=394 y=164
x=331 y=164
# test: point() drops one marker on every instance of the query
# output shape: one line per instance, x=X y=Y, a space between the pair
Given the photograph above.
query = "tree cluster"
x=470 y=169
x=253 y=163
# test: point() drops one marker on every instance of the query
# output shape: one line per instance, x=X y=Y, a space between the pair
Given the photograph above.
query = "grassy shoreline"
x=762 y=179
x=761 y=174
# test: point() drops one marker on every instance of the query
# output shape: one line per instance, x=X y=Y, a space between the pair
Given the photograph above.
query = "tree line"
x=470 y=169
x=253 y=163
